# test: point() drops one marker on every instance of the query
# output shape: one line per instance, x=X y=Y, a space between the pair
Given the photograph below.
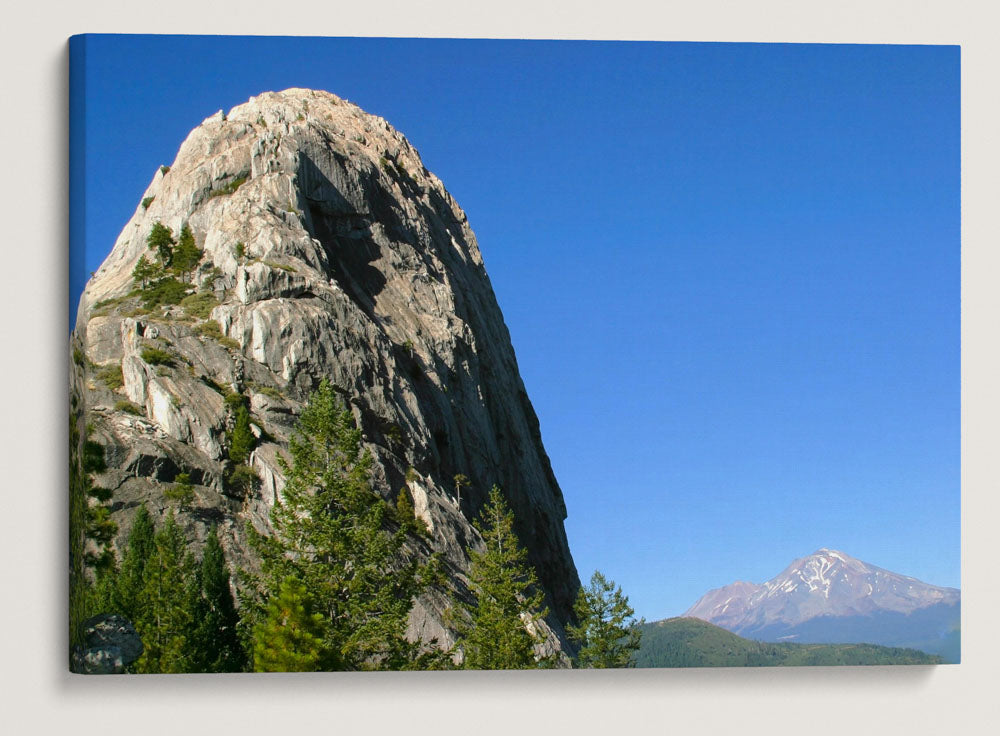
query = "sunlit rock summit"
x=329 y=251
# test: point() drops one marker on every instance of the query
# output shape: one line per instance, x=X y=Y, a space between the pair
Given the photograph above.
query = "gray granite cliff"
x=329 y=252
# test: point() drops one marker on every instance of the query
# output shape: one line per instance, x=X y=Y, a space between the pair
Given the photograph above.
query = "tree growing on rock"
x=161 y=242
x=242 y=440
x=461 y=481
x=186 y=254
x=607 y=632
x=145 y=273
x=333 y=533
x=499 y=630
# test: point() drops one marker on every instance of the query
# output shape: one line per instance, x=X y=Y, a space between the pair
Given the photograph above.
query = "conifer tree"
x=214 y=644
x=92 y=560
x=182 y=490
x=129 y=582
x=406 y=515
x=242 y=440
x=291 y=638
x=186 y=254
x=161 y=242
x=607 y=631
x=331 y=533
x=499 y=628
x=144 y=273
x=163 y=618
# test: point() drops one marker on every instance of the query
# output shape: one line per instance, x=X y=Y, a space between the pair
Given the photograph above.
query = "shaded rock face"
x=333 y=253
x=110 y=644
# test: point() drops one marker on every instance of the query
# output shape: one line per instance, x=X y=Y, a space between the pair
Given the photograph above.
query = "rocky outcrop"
x=329 y=251
x=110 y=644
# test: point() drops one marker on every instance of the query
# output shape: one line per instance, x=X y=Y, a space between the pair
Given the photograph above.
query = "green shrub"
x=103 y=495
x=266 y=390
x=181 y=491
x=243 y=478
x=240 y=250
x=155 y=356
x=147 y=201
x=209 y=328
x=281 y=266
x=212 y=384
x=164 y=170
x=113 y=301
x=129 y=408
x=79 y=358
x=407 y=516
x=229 y=188
x=111 y=376
x=233 y=400
x=165 y=291
x=199 y=305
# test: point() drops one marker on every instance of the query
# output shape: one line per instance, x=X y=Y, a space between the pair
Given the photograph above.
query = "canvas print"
x=431 y=354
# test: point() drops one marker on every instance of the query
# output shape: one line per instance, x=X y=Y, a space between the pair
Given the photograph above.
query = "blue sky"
x=731 y=272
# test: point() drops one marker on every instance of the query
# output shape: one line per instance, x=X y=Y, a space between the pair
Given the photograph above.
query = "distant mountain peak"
x=826 y=583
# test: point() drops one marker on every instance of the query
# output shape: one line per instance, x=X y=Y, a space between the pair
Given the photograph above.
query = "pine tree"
x=406 y=515
x=92 y=561
x=163 y=618
x=330 y=532
x=186 y=254
x=182 y=491
x=129 y=582
x=291 y=638
x=214 y=645
x=499 y=630
x=161 y=242
x=461 y=481
x=607 y=632
x=145 y=272
x=241 y=443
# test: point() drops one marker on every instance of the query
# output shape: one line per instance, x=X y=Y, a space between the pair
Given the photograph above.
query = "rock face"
x=332 y=253
x=829 y=596
x=110 y=644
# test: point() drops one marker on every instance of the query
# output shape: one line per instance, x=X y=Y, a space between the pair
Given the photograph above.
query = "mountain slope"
x=690 y=642
x=831 y=597
x=329 y=251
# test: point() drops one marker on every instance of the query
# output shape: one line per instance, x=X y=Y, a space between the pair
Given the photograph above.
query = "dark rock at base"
x=111 y=644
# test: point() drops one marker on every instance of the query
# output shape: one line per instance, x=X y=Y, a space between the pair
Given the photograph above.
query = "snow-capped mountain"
x=832 y=597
